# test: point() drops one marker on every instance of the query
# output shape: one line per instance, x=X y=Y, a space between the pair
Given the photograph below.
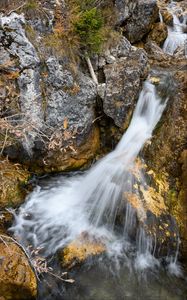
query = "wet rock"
x=12 y=180
x=80 y=250
x=123 y=80
x=167 y=145
x=158 y=34
x=26 y=60
x=141 y=19
x=17 y=279
x=148 y=200
x=170 y=136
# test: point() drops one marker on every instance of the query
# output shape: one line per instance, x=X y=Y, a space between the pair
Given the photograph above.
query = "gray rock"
x=123 y=84
x=137 y=17
x=124 y=9
x=15 y=38
x=70 y=99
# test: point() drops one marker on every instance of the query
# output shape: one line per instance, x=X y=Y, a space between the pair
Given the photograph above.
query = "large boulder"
x=137 y=17
x=166 y=152
x=17 y=279
x=51 y=108
x=123 y=78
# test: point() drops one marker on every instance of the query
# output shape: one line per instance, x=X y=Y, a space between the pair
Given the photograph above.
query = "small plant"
x=88 y=27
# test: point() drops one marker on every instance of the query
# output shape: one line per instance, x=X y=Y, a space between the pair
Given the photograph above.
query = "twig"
x=4 y=143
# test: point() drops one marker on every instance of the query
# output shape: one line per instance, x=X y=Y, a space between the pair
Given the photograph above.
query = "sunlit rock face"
x=80 y=250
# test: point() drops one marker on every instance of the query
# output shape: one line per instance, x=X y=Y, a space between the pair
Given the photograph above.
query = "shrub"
x=89 y=28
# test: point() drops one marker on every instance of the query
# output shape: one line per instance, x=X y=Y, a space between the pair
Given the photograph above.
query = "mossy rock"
x=12 y=180
x=17 y=279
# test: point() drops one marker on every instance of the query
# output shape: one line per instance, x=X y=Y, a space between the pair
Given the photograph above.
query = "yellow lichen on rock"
x=17 y=279
x=136 y=203
x=153 y=201
x=155 y=80
x=81 y=249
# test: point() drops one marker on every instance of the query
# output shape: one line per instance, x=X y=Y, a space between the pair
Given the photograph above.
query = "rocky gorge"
x=56 y=118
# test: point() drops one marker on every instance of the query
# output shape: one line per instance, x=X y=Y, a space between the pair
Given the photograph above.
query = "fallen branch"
x=91 y=70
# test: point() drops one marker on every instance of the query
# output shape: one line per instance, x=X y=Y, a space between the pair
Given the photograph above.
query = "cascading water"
x=176 y=36
x=91 y=202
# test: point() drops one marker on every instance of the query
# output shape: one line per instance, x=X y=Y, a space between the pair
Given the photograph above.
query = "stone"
x=80 y=250
x=166 y=153
x=12 y=180
x=17 y=279
x=158 y=34
x=56 y=107
x=139 y=18
x=123 y=81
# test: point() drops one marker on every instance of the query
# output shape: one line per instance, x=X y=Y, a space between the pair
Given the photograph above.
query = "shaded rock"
x=141 y=19
x=169 y=138
x=69 y=154
x=12 y=179
x=6 y=220
x=123 y=83
x=178 y=203
x=17 y=279
x=14 y=37
x=158 y=34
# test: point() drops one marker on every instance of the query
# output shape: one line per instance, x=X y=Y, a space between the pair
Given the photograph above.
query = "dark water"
x=101 y=283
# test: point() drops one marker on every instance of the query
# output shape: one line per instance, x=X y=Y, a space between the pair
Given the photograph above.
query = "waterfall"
x=51 y=218
x=176 y=37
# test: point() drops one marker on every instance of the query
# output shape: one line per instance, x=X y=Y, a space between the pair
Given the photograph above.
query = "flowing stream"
x=90 y=203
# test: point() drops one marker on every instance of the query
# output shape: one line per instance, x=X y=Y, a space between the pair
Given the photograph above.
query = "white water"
x=90 y=202
x=176 y=37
